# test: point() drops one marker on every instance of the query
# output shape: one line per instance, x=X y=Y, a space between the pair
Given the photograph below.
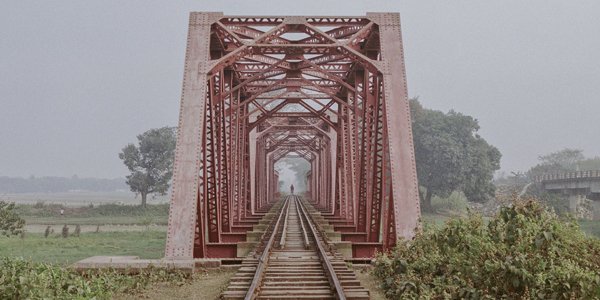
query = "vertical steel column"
x=185 y=212
x=397 y=120
x=211 y=187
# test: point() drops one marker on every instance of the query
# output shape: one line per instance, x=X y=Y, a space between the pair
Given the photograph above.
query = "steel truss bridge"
x=331 y=90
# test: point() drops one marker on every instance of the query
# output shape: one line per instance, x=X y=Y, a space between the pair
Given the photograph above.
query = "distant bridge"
x=576 y=187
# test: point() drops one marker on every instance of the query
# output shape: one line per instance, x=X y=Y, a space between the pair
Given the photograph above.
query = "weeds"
x=20 y=279
x=456 y=202
x=65 y=231
x=524 y=252
x=41 y=209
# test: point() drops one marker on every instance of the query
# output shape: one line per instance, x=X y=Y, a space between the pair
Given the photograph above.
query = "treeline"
x=59 y=184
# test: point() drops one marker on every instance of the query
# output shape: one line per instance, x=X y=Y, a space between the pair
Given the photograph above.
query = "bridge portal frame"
x=373 y=187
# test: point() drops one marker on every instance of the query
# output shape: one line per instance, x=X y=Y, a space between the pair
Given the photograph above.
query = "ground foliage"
x=58 y=250
x=524 y=252
x=21 y=279
x=10 y=221
x=42 y=209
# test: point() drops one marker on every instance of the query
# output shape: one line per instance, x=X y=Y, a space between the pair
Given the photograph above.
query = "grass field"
x=81 y=198
x=123 y=229
x=109 y=217
x=125 y=240
x=96 y=220
x=127 y=229
x=56 y=249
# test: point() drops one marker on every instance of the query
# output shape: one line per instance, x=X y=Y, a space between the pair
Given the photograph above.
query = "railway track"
x=294 y=261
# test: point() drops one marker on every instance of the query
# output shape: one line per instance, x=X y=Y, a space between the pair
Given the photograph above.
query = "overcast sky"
x=80 y=79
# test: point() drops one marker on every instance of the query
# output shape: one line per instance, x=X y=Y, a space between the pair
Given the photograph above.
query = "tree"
x=150 y=163
x=451 y=156
x=589 y=164
x=10 y=222
x=566 y=160
x=483 y=160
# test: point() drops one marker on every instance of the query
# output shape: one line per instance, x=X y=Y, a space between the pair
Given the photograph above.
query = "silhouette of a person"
x=292 y=189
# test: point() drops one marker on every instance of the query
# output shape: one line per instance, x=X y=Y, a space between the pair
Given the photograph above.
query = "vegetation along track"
x=294 y=261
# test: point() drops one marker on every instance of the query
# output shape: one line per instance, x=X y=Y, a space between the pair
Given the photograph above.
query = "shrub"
x=20 y=279
x=77 y=230
x=10 y=221
x=456 y=202
x=525 y=252
x=65 y=231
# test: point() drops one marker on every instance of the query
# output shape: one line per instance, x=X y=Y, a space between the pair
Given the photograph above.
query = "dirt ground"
x=206 y=285
x=369 y=281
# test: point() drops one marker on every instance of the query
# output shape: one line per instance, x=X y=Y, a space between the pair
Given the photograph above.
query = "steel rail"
x=285 y=225
x=306 y=240
x=334 y=281
x=264 y=258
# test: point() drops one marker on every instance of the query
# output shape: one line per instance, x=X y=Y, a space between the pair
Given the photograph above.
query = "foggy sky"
x=80 y=79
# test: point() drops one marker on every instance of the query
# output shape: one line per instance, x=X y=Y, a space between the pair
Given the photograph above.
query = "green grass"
x=434 y=219
x=22 y=279
x=97 y=220
x=81 y=198
x=49 y=214
x=55 y=249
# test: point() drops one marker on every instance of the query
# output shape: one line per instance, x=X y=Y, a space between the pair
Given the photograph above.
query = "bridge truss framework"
x=331 y=90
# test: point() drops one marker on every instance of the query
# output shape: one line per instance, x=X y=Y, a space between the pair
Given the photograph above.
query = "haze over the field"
x=80 y=79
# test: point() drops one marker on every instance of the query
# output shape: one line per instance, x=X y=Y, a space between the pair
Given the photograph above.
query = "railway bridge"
x=581 y=188
x=329 y=89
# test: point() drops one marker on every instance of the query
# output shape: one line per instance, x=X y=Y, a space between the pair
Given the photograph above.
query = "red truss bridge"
x=330 y=90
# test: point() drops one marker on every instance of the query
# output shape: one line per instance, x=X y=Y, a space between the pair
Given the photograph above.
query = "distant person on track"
x=292 y=189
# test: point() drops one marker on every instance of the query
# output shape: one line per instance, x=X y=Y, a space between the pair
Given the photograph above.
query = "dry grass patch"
x=206 y=285
x=369 y=281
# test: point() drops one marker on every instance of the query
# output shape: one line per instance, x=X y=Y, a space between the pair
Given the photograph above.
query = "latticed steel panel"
x=330 y=90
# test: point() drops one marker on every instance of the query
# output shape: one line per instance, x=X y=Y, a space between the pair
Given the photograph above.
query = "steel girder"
x=331 y=90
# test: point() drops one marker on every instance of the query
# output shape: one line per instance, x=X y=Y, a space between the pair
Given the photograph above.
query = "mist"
x=292 y=171
x=81 y=79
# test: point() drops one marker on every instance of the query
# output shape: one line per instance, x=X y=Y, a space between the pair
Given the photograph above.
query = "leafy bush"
x=39 y=204
x=10 y=221
x=456 y=202
x=551 y=200
x=77 y=231
x=20 y=279
x=65 y=231
x=525 y=252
